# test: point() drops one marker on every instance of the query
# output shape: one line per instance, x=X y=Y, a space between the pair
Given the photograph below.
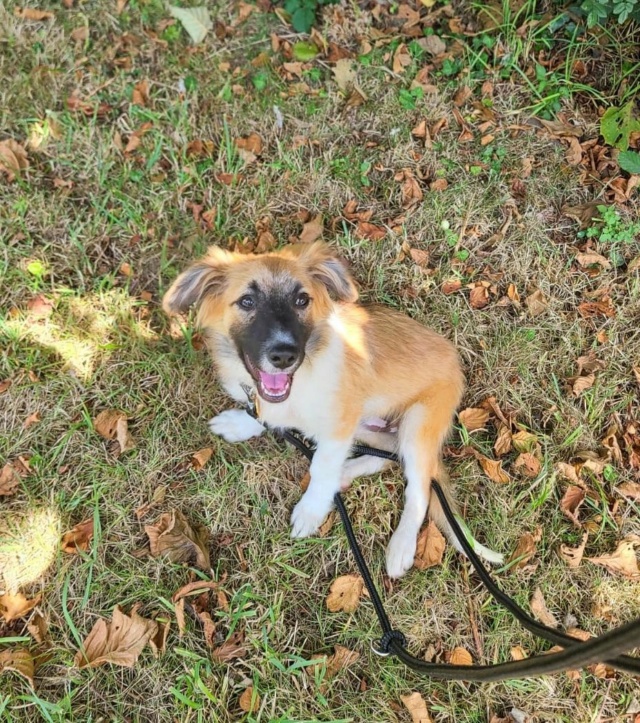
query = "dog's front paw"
x=235 y=425
x=308 y=515
x=400 y=552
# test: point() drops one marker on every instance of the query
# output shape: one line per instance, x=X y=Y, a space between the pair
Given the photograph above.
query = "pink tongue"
x=274 y=383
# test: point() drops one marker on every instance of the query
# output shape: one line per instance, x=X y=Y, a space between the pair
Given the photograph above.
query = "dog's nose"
x=282 y=356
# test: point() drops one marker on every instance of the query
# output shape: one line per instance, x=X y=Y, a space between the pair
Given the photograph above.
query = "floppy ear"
x=206 y=277
x=330 y=270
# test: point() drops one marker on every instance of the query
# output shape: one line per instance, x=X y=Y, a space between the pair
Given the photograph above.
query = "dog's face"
x=270 y=306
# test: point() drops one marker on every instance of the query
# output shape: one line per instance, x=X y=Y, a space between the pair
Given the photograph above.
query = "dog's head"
x=270 y=305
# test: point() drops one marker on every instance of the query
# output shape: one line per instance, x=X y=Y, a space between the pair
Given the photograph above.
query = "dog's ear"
x=330 y=270
x=207 y=277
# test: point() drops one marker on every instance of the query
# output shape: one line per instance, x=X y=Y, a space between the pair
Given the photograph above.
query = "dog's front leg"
x=326 y=478
x=235 y=425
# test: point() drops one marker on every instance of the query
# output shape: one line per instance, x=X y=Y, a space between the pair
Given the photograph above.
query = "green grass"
x=104 y=346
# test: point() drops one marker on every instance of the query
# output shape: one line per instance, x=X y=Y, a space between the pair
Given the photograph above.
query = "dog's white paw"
x=235 y=425
x=400 y=552
x=308 y=515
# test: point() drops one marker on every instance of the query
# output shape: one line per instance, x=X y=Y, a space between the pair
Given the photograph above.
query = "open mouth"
x=271 y=387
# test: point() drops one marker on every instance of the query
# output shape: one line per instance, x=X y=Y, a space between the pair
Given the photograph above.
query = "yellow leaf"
x=429 y=548
x=473 y=418
x=416 y=706
x=344 y=594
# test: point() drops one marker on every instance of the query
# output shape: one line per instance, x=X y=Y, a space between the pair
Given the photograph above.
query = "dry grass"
x=102 y=347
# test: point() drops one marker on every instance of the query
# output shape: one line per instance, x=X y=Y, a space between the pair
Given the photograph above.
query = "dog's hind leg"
x=362 y=467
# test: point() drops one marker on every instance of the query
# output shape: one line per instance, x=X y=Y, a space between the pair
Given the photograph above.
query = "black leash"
x=577 y=653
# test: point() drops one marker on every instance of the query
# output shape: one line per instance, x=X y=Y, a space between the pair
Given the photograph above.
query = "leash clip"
x=377 y=650
x=251 y=407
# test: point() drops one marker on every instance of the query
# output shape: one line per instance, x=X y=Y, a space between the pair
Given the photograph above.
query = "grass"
x=105 y=345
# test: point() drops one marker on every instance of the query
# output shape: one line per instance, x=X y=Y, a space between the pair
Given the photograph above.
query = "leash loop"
x=383 y=646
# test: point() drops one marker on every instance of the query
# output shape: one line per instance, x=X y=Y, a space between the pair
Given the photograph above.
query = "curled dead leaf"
x=341 y=659
x=473 y=418
x=573 y=555
x=430 y=547
x=13 y=158
x=525 y=549
x=518 y=653
x=173 y=537
x=451 y=286
x=527 y=465
x=106 y=423
x=312 y=230
x=249 y=701
x=119 y=642
x=493 y=469
x=39 y=629
x=178 y=610
x=502 y=444
x=536 y=303
x=479 y=297
x=251 y=143
x=581 y=384
x=631 y=490
x=16 y=605
x=370 y=231
x=9 y=480
x=593 y=259
x=622 y=561
x=18 y=660
x=540 y=611
x=233 y=648
x=34 y=14
x=571 y=501
x=460 y=656
x=200 y=458
x=568 y=472
x=78 y=538
x=158 y=641
x=416 y=706
x=344 y=594
x=524 y=441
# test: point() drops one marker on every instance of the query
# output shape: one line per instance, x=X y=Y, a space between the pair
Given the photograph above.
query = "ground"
x=134 y=169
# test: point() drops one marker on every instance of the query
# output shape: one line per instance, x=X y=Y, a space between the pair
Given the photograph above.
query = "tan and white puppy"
x=288 y=324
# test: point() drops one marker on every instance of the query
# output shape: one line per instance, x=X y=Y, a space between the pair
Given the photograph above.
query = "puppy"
x=288 y=325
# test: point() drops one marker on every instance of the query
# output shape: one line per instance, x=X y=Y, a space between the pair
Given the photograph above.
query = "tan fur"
x=365 y=362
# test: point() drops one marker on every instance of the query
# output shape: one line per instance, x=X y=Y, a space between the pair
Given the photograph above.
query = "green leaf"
x=196 y=21
x=302 y=19
x=304 y=51
x=629 y=161
x=617 y=124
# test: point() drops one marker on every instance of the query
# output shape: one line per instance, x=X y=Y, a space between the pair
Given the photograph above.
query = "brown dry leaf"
x=39 y=306
x=312 y=230
x=536 y=303
x=106 y=423
x=200 y=458
x=344 y=594
x=231 y=649
x=173 y=537
x=429 y=548
x=140 y=95
x=32 y=419
x=451 y=286
x=581 y=384
x=304 y=482
x=16 y=606
x=473 y=418
x=125 y=440
x=401 y=59
x=527 y=464
x=208 y=627
x=540 y=611
x=623 y=560
x=158 y=642
x=78 y=538
x=592 y=259
x=627 y=489
x=416 y=706
x=6 y=384
x=251 y=144
x=33 y=14
x=342 y=658
x=558 y=129
x=411 y=191
x=462 y=95
x=493 y=469
x=119 y=642
x=573 y=555
x=571 y=501
x=178 y=609
x=568 y=472
x=524 y=441
x=18 y=660
x=13 y=158
x=573 y=155
x=39 y=629
x=9 y=480
x=479 y=297
x=518 y=653
x=420 y=257
x=249 y=701
x=582 y=213
x=370 y=231
x=502 y=444
x=440 y=184
x=460 y=656
x=194 y=589
x=525 y=549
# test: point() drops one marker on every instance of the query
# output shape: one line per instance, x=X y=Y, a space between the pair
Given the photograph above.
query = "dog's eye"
x=302 y=300
x=247 y=302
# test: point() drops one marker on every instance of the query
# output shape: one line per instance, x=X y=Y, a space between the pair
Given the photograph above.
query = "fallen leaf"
x=411 y=191
x=140 y=95
x=158 y=641
x=592 y=259
x=119 y=642
x=370 y=231
x=479 y=297
x=19 y=661
x=583 y=383
x=571 y=501
x=473 y=418
x=568 y=471
x=558 y=129
x=194 y=589
x=78 y=538
x=502 y=444
x=540 y=611
x=429 y=548
x=249 y=701
x=200 y=458
x=582 y=213
x=440 y=184
x=401 y=59
x=524 y=441
x=622 y=561
x=173 y=537
x=208 y=627
x=32 y=419
x=420 y=257
x=573 y=155
x=9 y=480
x=434 y=45
x=231 y=649
x=518 y=653
x=527 y=464
x=33 y=14
x=462 y=95
x=525 y=549
x=125 y=440
x=106 y=423
x=460 y=656
x=493 y=469
x=40 y=307
x=451 y=286
x=536 y=303
x=4 y=385
x=627 y=489
x=251 y=143
x=13 y=158
x=344 y=594
x=414 y=703
x=573 y=555
x=196 y=21
x=39 y=629
x=312 y=230
x=178 y=609
x=341 y=659
x=344 y=74
x=14 y=606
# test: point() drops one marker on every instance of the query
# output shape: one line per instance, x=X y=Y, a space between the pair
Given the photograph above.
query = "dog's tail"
x=436 y=513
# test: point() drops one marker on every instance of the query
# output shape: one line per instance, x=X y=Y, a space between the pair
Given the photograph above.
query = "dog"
x=288 y=325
